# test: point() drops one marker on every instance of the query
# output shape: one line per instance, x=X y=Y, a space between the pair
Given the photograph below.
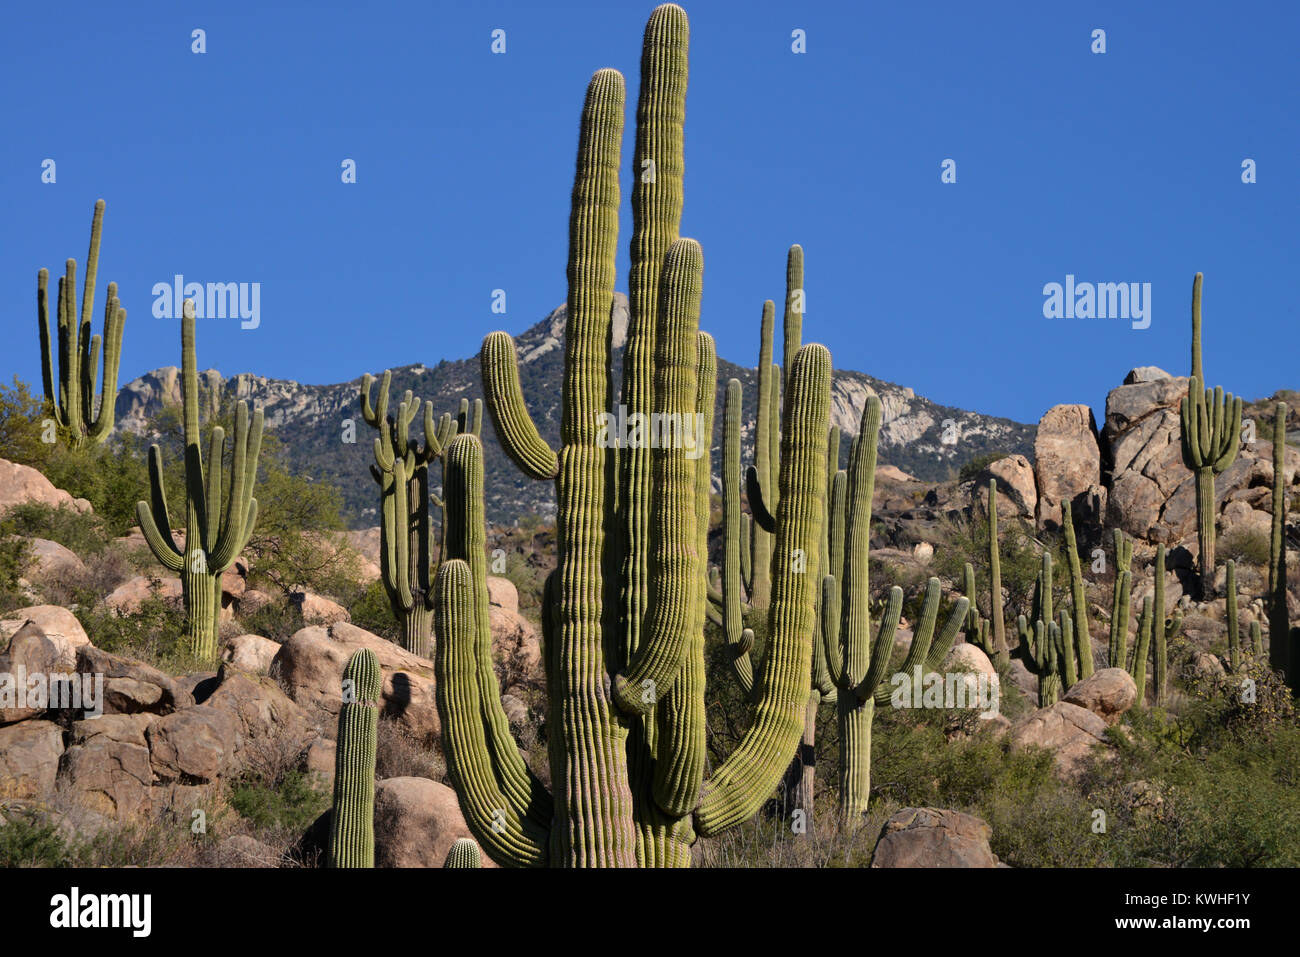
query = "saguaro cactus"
x=76 y=414
x=401 y=469
x=352 y=828
x=464 y=853
x=996 y=614
x=1211 y=431
x=856 y=664
x=1281 y=647
x=1078 y=595
x=1121 y=601
x=624 y=673
x=214 y=535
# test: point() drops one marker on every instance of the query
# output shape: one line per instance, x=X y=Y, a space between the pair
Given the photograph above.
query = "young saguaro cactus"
x=857 y=665
x=77 y=415
x=214 y=534
x=624 y=673
x=996 y=614
x=1078 y=595
x=464 y=853
x=1121 y=602
x=401 y=469
x=1282 y=650
x=352 y=827
x=1211 y=430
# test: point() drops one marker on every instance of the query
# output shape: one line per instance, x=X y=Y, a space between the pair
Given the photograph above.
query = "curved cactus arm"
x=832 y=649
x=237 y=520
x=1069 y=666
x=773 y=486
x=100 y=424
x=394 y=541
x=373 y=415
x=155 y=518
x=505 y=401
x=882 y=649
x=462 y=417
x=476 y=420
x=446 y=429
x=510 y=839
x=213 y=481
x=47 y=345
x=747 y=552
x=1142 y=648
x=748 y=776
x=754 y=492
x=1230 y=442
x=675 y=562
x=352 y=828
x=433 y=447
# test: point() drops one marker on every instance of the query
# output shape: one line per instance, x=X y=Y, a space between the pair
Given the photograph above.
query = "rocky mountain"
x=923 y=438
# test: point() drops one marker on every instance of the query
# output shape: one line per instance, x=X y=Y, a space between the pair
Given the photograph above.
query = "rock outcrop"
x=934 y=837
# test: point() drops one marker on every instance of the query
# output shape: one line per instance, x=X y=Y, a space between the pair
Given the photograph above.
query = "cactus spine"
x=214 y=535
x=1281 y=646
x=1078 y=595
x=352 y=830
x=464 y=853
x=76 y=414
x=1211 y=426
x=626 y=755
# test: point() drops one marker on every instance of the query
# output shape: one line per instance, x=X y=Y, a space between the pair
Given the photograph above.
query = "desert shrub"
x=1020 y=555
x=15 y=554
x=399 y=754
x=28 y=840
x=372 y=611
x=287 y=804
x=975 y=466
x=277 y=620
x=154 y=634
x=1246 y=546
x=84 y=534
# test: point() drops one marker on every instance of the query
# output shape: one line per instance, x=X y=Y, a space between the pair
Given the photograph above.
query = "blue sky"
x=1115 y=167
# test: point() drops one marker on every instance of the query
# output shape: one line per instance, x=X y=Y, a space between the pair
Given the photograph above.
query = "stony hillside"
x=912 y=436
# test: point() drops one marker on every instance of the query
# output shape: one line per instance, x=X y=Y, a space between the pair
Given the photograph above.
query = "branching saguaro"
x=625 y=607
x=214 y=534
x=79 y=418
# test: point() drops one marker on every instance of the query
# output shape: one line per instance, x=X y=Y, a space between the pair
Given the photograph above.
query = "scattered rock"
x=131 y=686
x=29 y=758
x=51 y=562
x=128 y=597
x=416 y=822
x=503 y=593
x=193 y=746
x=1066 y=729
x=30 y=655
x=315 y=608
x=107 y=766
x=250 y=653
x=1107 y=693
x=58 y=624
x=22 y=484
x=1017 y=493
x=934 y=837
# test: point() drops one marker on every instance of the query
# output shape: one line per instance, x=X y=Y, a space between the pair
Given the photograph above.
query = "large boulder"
x=502 y=593
x=22 y=484
x=270 y=728
x=416 y=822
x=250 y=653
x=129 y=597
x=934 y=837
x=1067 y=459
x=516 y=648
x=28 y=670
x=310 y=665
x=315 y=608
x=1107 y=693
x=51 y=562
x=194 y=746
x=1017 y=492
x=132 y=687
x=29 y=758
x=1066 y=729
x=58 y=624
x=106 y=768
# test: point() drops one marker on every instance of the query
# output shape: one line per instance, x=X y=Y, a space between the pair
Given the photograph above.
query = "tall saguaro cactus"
x=625 y=605
x=1078 y=595
x=401 y=469
x=214 y=534
x=857 y=665
x=1282 y=650
x=1211 y=431
x=352 y=828
x=76 y=414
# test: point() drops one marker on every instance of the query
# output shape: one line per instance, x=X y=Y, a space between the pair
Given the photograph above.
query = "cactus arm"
x=69 y=350
x=747 y=777
x=936 y=651
x=747 y=552
x=101 y=424
x=352 y=828
x=505 y=401
x=792 y=322
x=155 y=519
x=679 y=772
x=1078 y=595
x=675 y=563
x=1069 y=669
x=754 y=492
x=882 y=649
x=833 y=650
x=764 y=454
x=510 y=839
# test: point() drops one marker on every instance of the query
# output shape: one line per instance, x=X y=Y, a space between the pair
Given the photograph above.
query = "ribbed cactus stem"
x=1142 y=650
x=1280 y=647
x=1069 y=666
x=1078 y=595
x=464 y=851
x=352 y=830
x=996 y=614
x=1233 y=623
x=1160 y=631
x=761 y=556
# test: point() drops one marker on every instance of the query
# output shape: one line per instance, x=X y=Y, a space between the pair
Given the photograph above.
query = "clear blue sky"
x=1120 y=167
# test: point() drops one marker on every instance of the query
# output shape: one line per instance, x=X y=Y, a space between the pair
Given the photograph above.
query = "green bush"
x=286 y=803
x=1245 y=546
